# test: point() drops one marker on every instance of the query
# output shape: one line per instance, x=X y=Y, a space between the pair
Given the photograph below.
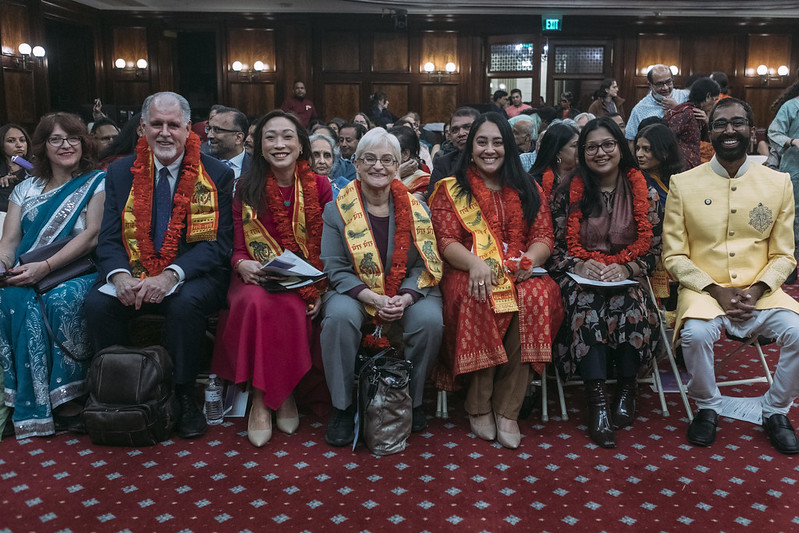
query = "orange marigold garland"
x=513 y=209
x=313 y=216
x=403 y=223
x=143 y=189
x=640 y=212
x=548 y=182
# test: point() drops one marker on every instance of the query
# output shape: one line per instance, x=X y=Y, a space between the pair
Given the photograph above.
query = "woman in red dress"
x=272 y=339
x=492 y=229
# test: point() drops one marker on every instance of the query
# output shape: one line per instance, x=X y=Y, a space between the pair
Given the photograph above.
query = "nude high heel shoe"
x=259 y=424
x=288 y=420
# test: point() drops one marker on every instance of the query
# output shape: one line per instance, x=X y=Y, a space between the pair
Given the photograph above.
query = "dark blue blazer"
x=197 y=258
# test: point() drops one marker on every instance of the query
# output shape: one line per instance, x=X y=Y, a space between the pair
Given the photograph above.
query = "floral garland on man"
x=195 y=208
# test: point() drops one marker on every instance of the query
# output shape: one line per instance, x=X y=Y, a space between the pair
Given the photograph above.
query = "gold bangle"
x=236 y=267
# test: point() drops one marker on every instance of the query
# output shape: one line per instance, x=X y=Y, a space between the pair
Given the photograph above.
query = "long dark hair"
x=555 y=138
x=663 y=146
x=591 y=204
x=602 y=92
x=791 y=92
x=4 y=162
x=408 y=140
x=72 y=125
x=252 y=185
x=511 y=174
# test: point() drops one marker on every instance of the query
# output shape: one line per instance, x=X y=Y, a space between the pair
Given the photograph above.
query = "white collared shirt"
x=236 y=164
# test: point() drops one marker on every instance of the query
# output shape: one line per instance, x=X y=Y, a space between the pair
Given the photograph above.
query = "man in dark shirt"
x=300 y=106
x=460 y=124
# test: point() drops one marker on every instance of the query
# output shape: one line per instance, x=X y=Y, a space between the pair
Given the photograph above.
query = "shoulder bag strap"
x=52 y=334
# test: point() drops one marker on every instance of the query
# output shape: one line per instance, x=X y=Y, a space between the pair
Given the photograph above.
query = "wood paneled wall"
x=344 y=58
x=18 y=85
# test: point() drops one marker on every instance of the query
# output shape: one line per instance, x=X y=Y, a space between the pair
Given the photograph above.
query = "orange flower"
x=548 y=183
x=313 y=218
x=142 y=172
x=640 y=210
x=403 y=224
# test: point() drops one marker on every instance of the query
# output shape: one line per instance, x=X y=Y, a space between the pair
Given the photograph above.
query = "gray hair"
x=153 y=99
x=376 y=137
x=333 y=148
x=590 y=116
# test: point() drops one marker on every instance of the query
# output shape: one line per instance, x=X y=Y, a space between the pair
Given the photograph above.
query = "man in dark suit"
x=167 y=225
x=226 y=132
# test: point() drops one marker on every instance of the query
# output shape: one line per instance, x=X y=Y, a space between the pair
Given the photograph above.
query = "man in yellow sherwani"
x=728 y=240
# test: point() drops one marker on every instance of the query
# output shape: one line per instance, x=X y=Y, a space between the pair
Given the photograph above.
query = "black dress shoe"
x=781 y=434
x=624 y=403
x=419 y=422
x=600 y=425
x=702 y=431
x=73 y=424
x=341 y=427
x=191 y=423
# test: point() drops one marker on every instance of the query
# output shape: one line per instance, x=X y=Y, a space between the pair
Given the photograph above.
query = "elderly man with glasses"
x=661 y=96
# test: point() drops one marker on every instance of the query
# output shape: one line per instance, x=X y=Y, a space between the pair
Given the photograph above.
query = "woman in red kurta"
x=499 y=320
x=272 y=339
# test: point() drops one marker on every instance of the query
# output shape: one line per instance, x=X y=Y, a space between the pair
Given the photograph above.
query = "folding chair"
x=651 y=379
x=754 y=341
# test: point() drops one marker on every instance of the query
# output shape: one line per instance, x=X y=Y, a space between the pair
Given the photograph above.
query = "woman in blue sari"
x=63 y=200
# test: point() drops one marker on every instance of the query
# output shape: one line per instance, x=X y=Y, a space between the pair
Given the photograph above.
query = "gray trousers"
x=698 y=337
x=422 y=329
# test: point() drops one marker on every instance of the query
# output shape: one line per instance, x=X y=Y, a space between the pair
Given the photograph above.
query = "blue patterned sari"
x=37 y=375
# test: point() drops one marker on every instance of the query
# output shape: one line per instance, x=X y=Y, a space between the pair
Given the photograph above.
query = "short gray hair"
x=153 y=99
x=376 y=137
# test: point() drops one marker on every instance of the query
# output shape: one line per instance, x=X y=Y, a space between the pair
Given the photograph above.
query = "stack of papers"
x=291 y=271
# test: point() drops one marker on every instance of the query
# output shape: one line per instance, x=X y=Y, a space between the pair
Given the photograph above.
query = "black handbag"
x=384 y=406
x=77 y=267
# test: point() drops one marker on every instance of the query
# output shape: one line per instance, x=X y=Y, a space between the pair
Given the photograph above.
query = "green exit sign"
x=552 y=23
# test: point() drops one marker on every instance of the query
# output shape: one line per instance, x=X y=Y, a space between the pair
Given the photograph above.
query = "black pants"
x=185 y=312
x=595 y=363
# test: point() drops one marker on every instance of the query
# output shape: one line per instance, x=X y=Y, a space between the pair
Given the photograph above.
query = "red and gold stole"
x=195 y=207
x=411 y=222
x=486 y=244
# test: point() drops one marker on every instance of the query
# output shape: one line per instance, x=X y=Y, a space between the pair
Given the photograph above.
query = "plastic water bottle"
x=213 y=401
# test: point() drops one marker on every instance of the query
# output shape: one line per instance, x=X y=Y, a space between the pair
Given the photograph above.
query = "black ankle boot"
x=624 y=403
x=600 y=425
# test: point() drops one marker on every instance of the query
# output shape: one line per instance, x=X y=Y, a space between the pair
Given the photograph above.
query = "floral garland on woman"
x=153 y=261
x=313 y=213
x=403 y=223
x=640 y=212
x=513 y=208
x=548 y=182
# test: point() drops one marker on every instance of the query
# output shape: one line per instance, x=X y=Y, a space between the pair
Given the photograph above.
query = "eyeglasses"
x=371 y=159
x=661 y=84
x=721 y=124
x=607 y=146
x=216 y=130
x=57 y=140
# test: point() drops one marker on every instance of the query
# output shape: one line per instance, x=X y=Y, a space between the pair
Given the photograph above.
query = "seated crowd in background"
x=456 y=284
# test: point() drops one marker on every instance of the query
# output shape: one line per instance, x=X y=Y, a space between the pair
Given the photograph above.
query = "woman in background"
x=15 y=143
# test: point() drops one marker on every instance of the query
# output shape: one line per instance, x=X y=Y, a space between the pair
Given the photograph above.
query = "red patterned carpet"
x=446 y=479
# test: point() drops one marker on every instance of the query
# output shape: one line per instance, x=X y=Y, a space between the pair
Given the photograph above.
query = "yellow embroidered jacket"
x=733 y=232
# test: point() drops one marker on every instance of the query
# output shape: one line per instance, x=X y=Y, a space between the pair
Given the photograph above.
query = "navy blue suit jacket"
x=197 y=258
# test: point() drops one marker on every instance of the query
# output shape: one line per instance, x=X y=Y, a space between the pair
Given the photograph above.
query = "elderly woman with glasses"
x=380 y=255
x=62 y=201
x=607 y=229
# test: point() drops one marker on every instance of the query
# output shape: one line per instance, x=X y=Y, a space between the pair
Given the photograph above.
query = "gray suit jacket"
x=338 y=260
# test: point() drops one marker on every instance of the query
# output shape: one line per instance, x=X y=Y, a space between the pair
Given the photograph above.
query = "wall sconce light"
x=246 y=73
x=767 y=74
x=438 y=75
x=138 y=68
x=27 y=57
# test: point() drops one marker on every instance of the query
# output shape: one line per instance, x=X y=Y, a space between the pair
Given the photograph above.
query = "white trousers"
x=698 y=337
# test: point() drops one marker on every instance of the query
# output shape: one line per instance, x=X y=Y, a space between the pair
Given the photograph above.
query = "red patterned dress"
x=473 y=333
